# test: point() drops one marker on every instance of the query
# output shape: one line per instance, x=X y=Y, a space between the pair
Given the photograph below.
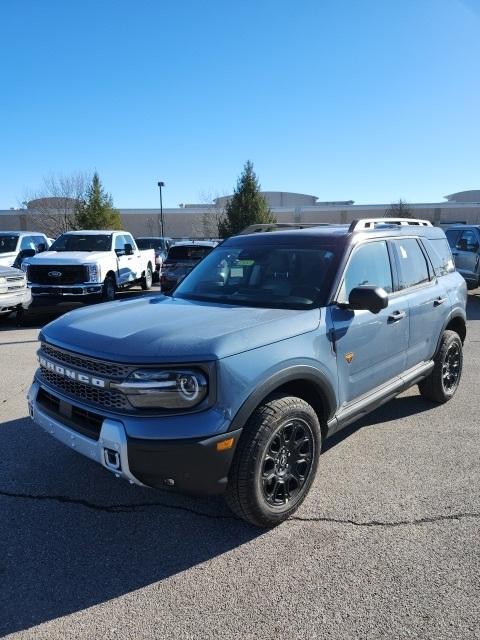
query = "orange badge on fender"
x=349 y=357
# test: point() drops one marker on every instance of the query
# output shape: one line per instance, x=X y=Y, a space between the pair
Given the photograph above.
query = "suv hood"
x=9 y=272
x=6 y=259
x=158 y=329
x=67 y=257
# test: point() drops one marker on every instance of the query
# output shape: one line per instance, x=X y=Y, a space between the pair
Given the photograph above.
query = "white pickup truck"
x=89 y=264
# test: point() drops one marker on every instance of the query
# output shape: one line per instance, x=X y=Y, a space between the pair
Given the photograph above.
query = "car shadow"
x=73 y=536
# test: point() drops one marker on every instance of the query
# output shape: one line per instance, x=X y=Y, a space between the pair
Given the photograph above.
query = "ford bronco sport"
x=270 y=344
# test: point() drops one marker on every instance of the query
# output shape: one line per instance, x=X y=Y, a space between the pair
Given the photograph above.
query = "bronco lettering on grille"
x=72 y=374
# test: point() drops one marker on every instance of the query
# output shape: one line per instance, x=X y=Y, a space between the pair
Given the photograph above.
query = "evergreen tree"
x=97 y=211
x=247 y=205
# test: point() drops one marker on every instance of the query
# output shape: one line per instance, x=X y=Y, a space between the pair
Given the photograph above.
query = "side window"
x=368 y=266
x=412 y=264
x=452 y=235
x=27 y=243
x=119 y=243
x=129 y=240
x=440 y=255
x=40 y=243
x=468 y=241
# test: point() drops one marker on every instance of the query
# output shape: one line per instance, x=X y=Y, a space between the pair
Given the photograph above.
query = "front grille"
x=99 y=367
x=85 y=422
x=112 y=400
x=69 y=274
x=15 y=282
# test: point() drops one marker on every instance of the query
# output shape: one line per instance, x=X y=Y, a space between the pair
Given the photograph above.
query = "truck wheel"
x=442 y=383
x=109 y=289
x=275 y=461
x=147 y=279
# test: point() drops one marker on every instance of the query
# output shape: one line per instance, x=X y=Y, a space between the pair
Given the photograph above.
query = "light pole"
x=160 y=185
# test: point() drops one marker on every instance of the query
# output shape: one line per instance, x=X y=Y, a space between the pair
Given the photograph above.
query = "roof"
x=96 y=232
x=338 y=233
x=195 y=243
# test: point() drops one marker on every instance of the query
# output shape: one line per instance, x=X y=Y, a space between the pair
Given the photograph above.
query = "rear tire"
x=109 y=289
x=147 y=279
x=275 y=461
x=442 y=383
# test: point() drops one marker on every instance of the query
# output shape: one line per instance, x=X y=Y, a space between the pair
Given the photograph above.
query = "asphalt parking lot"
x=387 y=545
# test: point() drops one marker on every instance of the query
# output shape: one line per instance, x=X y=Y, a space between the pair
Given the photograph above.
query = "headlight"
x=3 y=285
x=93 y=271
x=165 y=389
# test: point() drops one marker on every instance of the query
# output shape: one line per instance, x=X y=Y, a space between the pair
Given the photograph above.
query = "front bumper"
x=187 y=465
x=61 y=291
x=13 y=300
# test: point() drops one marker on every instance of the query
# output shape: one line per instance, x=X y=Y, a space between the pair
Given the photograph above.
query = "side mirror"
x=120 y=252
x=24 y=253
x=128 y=249
x=41 y=247
x=372 y=299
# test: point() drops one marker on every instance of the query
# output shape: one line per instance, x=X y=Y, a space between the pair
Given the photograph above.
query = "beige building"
x=199 y=220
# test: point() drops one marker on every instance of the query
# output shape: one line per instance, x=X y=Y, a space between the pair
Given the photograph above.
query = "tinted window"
x=467 y=241
x=80 y=242
x=151 y=243
x=440 y=255
x=129 y=240
x=269 y=275
x=188 y=252
x=452 y=235
x=368 y=266
x=412 y=264
x=8 y=244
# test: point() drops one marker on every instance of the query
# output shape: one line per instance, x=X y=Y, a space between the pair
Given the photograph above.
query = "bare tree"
x=206 y=224
x=400 y=209
x=54 y=206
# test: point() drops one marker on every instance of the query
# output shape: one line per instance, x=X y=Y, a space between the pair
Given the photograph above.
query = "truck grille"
x=69 y=274
x=15 y=282
x=79 y=391
x=99 y=367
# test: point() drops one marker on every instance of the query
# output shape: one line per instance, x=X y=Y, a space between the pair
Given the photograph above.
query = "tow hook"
x=112 y=459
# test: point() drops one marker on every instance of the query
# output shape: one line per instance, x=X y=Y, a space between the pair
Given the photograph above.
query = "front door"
x=371 y=348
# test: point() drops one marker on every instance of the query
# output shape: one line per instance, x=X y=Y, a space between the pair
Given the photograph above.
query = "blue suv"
x=272 y=343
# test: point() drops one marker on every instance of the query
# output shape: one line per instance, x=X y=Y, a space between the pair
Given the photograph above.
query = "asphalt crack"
x=139 y=506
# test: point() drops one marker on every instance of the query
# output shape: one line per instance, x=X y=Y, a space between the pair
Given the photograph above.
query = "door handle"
x=439 y=301
x=396 y=316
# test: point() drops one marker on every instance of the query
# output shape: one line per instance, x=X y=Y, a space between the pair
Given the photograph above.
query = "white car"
x=13 y=243
x=14 y=293
x=90 y=264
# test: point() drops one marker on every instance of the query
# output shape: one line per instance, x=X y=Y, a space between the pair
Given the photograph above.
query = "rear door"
x=371 y=348
x=465 y=253
x=427 y=299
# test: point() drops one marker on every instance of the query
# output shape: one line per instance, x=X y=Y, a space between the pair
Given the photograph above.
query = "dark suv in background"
x=181 y=259
x=464 y=240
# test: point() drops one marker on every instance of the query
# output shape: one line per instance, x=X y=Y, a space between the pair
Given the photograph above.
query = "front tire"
x=442 y=383
x=275 y=461
x=147 y=279
x=109 y=289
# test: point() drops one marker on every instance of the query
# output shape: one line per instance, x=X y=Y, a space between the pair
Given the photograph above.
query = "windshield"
x=78 y=242
x=151 y=243
x=188 y=252
x=285 y=276
x=8 y=244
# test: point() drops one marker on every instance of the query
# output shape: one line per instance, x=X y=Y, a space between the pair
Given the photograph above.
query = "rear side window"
x=440 y=255
x=368 y=266
x=188 y=252
x=411 y=262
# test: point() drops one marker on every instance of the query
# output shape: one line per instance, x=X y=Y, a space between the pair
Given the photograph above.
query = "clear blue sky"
x=361 y=99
